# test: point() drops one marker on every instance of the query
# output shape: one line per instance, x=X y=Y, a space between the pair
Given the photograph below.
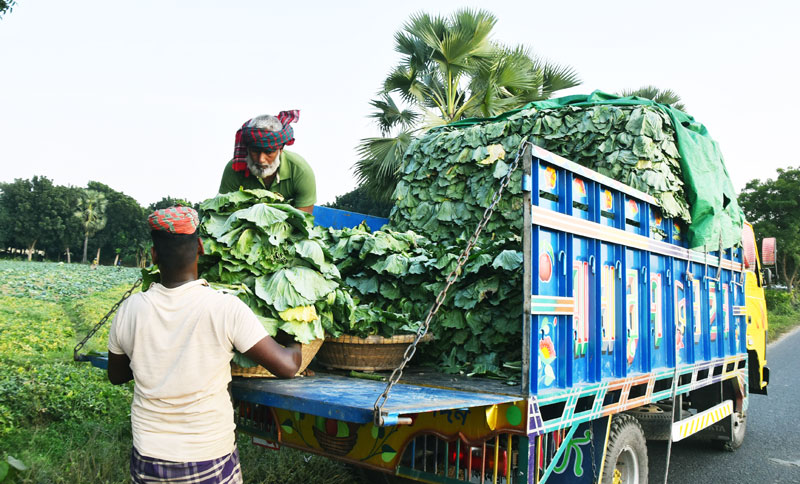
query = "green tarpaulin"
x=716 y=216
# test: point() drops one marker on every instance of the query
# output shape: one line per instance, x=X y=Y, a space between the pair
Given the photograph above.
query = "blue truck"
x=628 y=335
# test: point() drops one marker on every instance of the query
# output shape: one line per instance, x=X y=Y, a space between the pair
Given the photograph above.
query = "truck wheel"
x=655 y=420
x=739 y=422
x=626 y=454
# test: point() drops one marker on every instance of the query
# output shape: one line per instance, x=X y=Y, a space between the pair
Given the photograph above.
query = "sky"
x=146 y=96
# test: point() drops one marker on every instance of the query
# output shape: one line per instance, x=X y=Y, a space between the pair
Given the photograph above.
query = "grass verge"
x=783 y=314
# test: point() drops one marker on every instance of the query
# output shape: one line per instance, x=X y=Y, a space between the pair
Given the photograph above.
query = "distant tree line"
x=772 y=206
x=73 y=224
x=359 y=200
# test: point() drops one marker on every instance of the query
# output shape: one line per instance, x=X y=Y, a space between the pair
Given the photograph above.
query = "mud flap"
x=755 y=377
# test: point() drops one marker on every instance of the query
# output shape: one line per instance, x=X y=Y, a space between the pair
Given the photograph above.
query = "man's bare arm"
x=119 y=368
x=308 y=209
x=282 y=362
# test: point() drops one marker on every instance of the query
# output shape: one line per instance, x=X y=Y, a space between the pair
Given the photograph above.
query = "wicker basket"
x=372 y=353
x=308 y=351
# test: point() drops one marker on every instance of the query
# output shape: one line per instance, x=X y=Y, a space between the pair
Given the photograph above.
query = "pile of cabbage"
x=271 y=256
x=449 y=178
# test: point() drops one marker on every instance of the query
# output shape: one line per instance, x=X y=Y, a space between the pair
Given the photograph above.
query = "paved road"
x=771 y=450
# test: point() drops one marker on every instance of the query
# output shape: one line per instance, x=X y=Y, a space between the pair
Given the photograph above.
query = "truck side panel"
x=615 y=291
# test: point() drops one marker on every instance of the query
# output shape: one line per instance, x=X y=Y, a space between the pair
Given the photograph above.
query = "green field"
x=63 y=419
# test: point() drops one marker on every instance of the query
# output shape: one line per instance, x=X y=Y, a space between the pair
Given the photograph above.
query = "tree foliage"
x=450 y=69
x=772 y=207
x=663 y=96
x=126 y=232
x=168 y=201
x=360 y=201
x=35 y=214
x=92 y=214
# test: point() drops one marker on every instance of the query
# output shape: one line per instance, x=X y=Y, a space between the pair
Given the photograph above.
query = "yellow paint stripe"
x=692 y=425
x=605 y=448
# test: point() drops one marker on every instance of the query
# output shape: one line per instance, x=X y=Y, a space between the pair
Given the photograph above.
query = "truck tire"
x=655 y=420
x=626 y=454
x=739 y=422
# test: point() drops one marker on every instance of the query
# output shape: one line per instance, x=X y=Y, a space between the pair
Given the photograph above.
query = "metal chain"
x=451 y=278
x=75 y=355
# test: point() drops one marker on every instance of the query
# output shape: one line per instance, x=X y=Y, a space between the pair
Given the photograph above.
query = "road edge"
x=783 y=336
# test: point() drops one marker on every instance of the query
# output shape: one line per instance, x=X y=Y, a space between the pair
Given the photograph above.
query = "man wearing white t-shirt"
x=176 y=340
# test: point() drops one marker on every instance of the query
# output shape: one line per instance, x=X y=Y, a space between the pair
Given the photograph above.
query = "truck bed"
x=352 y=399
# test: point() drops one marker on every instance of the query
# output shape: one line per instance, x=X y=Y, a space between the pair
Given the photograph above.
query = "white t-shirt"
x=180 y=342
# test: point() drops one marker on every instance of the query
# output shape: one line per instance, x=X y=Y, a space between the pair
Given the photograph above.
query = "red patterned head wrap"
x=249 y=136
x=175 y=220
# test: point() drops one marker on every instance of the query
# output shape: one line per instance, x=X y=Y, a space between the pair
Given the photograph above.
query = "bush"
x=779 y=302
x=34 y=394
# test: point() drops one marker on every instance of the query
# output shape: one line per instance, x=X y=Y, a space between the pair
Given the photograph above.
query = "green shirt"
x=295 y=180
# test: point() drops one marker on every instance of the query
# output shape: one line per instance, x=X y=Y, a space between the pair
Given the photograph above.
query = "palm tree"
x=665 y=96
x=92 y=214
x=450 y=70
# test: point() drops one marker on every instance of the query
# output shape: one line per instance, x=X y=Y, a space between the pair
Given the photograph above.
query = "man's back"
x=180 y=342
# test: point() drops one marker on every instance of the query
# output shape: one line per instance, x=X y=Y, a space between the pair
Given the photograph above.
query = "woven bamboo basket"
x=373 y=353
x=308 y=351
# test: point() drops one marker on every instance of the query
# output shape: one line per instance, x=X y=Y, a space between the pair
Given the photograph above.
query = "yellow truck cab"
x=756 y=312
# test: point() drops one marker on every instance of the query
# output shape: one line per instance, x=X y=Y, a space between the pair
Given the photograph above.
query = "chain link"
x=451 y=278
x=75 y=355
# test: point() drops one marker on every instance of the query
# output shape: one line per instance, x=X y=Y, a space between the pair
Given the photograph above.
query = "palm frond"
x=556 y=77
x=416 y=54
x=379 y=163
x=406 y=83
x=663 y=96
x=467 y=39
x=389 y=115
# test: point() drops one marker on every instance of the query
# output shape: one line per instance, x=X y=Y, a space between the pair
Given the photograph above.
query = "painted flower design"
x=547 y=350
x=551 y=177
x=608 y=200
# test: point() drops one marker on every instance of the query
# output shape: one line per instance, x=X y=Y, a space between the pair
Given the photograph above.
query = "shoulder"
x=298 y=162
x=220 y=300
x=229 y=168
x=134 y=301
x=231 y=179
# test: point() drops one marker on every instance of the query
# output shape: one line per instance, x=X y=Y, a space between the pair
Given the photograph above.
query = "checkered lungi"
x=225 y=470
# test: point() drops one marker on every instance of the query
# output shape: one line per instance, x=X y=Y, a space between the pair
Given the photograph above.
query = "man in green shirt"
x=259 y=161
